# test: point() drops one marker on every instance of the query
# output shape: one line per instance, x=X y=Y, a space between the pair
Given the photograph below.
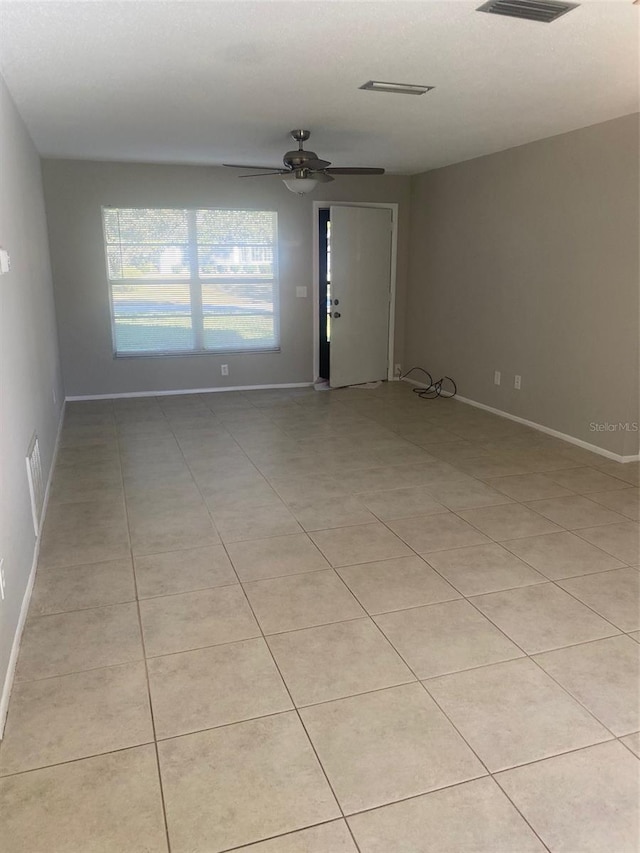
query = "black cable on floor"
x=443 y=387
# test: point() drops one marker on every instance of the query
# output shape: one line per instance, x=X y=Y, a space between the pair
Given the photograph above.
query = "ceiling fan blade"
x=261 y=168
x=315 y=164
x=355 y=171
x=262 y=174
x=322 y=177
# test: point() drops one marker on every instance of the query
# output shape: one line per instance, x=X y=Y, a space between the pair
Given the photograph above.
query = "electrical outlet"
x=301 y=292
x=224 y=369
x=496 y=377
x=517 y=382
x=397 y=371
x=2 y=580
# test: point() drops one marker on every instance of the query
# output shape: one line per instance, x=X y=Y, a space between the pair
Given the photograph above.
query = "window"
x=191 y=281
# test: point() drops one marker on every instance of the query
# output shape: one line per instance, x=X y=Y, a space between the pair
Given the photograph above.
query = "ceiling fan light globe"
x=300 y=186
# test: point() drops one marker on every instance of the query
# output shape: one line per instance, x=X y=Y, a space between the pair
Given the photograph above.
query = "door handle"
x=336 y=314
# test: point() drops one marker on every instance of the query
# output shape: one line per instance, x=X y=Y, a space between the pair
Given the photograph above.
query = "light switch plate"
x=5 y=261
x=301 y=291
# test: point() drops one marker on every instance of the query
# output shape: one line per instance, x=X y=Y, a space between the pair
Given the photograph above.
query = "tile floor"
x=301 y=622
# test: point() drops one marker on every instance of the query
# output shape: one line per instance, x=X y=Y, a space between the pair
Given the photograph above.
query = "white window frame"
x=195 y=283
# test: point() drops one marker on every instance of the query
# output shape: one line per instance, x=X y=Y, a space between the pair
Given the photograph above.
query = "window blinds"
x=188 y=281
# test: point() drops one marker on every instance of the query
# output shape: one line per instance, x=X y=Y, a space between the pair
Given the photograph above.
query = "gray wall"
x=29 y=368
x=526 y=262
x=75 y=192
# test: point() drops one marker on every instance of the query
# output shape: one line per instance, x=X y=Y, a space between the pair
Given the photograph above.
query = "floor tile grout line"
x=457 y=597
x=621 y=740
x=505 y=542
x=228 y=725
x=528 y=656
x=421 y=557
x=301 y=530
x=291 y=833
x=297 y=712
x=575 y=698
x=433 y=699
x=193 y=479
x=531 y=656
x=78 y=759
x=352 y=834
x=445 y=508
x=543 y=651
x=295 y=708
x=247 y=457
x=222 y=541
x=630 y=484
x=83 y=609
x=525 y=653
x=301 y=721
x=583 y=603
x=470 y=602
x=186 y=591
x=572 y=751
x=453 y=725
x=305 y=706
x=148 y=682
x=508 y=498
x=424 y=556
x=578 y=533
x=519 y=811
x=286 y=686
x=16 y=679
x=341 y=580
x=548 y=471
x=266 y=634
x=550 y=580
x=557 y=586
x=442 y=711
x=80 y=671
x=499 y=543
x=446 y=788
x=312 y=627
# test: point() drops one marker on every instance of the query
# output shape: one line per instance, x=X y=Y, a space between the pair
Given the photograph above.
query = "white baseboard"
x=26 y=599
x=188 y=391
x=608 y=454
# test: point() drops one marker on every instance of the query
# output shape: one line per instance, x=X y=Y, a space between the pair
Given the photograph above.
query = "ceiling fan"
x=303 y=170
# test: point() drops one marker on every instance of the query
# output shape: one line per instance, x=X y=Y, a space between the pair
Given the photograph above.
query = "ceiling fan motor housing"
x=297 y=159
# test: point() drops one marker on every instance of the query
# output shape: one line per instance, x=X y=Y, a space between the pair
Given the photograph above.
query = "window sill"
x=195 y=353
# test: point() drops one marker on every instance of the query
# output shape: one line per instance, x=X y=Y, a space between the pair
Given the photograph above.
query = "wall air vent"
x=36 y=482
x=531 y=10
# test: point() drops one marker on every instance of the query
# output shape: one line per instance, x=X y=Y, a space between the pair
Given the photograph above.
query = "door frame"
x=319 y=205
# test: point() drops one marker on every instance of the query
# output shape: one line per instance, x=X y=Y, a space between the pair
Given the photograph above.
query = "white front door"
x=360 y=294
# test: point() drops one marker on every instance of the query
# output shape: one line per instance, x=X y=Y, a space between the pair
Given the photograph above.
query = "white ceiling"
x=208 y=82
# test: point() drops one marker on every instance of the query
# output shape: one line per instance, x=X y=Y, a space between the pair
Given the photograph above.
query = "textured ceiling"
x=209 y=82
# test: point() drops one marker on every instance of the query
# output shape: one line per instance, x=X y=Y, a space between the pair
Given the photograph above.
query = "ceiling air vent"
x=531 y=10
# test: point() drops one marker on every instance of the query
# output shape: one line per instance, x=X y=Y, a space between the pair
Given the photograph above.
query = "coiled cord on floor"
x=443 y=387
